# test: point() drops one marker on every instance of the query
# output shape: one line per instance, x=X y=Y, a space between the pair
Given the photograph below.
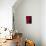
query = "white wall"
x=43 y=22
x=6 y=13
x=31 y=8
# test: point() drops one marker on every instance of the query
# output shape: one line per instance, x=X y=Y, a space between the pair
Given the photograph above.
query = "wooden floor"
x=9 y=43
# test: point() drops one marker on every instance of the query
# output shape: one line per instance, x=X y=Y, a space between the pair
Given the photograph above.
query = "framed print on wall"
x=28 y=19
